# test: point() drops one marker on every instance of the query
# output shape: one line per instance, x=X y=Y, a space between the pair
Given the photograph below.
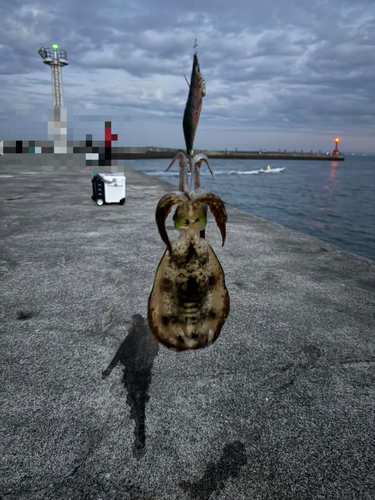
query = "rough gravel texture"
x=281 y=407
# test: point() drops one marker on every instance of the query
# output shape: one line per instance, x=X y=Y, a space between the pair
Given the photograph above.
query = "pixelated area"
x=65 y=137
x=93 y=147
x=64 y=130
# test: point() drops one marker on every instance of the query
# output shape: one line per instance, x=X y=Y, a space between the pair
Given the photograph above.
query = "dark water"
x=333 y=201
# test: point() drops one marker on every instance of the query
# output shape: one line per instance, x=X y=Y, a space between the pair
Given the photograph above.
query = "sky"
x=279 y=74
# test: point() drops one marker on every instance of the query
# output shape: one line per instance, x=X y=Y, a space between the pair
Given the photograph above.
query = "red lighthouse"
x=336 y=151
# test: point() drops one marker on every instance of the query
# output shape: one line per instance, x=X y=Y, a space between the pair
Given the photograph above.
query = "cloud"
x=269 y=66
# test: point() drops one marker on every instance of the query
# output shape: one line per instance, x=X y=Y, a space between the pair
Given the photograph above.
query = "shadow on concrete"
x=22 y=315
x=217 y=473
x=137 y=354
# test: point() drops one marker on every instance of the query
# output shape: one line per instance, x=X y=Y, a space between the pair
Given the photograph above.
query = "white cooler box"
x=108 y=188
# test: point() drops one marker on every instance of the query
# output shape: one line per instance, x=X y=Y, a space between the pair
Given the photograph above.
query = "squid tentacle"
x=164 y=208
x=184 y=167
x=217 y=208
x=197 y=162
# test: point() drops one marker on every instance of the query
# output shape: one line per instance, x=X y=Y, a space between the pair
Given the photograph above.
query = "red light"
x=337 y=139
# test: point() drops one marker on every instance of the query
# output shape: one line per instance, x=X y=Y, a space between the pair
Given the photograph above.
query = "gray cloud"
x=307 y=66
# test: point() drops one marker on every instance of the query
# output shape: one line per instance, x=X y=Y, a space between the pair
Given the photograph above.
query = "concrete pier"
x=281 y=407
x=136 y=153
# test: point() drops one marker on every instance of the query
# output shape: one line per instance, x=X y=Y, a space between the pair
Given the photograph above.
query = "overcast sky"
x=279 y=74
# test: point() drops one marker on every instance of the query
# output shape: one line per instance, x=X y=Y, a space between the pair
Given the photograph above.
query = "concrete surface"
x=281 y=407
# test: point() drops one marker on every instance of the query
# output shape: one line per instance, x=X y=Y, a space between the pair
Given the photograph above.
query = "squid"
x=189 y=302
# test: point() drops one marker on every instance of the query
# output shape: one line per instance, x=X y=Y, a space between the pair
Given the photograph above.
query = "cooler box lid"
x=114 y=179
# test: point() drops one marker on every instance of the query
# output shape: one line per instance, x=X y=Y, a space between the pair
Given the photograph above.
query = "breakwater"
x=149 y=152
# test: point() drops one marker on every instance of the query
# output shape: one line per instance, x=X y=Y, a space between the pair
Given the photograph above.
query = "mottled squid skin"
x=189 y=302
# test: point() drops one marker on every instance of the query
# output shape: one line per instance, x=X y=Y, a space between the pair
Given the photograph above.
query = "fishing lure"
x=197 y=90
x=189 y=302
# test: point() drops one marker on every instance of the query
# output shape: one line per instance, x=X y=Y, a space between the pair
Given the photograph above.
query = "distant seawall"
x=148 y=152
x=129 y=153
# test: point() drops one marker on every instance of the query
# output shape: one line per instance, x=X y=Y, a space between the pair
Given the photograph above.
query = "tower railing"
x=49 y=55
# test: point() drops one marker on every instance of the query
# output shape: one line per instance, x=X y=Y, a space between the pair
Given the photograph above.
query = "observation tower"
x=57 y=124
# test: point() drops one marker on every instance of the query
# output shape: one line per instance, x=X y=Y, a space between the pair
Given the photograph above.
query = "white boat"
x=269 y=170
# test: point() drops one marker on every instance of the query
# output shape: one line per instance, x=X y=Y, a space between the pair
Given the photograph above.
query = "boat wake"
x=242 y=172
x=203 y=173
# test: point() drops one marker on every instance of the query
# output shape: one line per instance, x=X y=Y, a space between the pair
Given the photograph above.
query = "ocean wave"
x=162 y=172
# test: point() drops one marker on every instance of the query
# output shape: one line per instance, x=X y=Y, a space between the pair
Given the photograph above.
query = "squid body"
x=189 y=302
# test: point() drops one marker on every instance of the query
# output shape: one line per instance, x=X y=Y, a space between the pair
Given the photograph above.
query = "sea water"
x=333 y=201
